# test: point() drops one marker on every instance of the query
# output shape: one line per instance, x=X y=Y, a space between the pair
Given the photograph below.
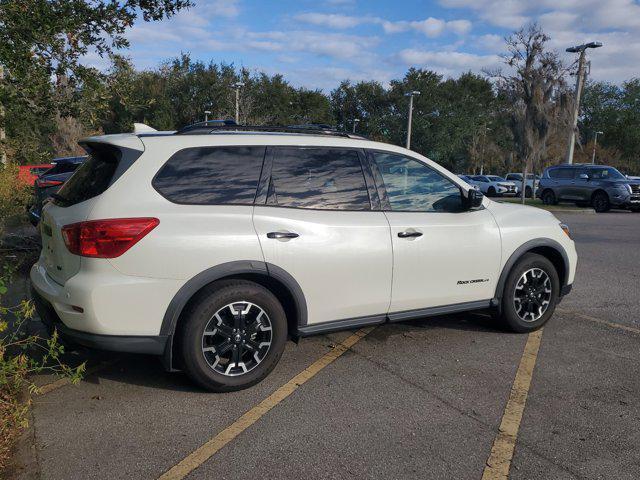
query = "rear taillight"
x=106 y=238
x=47 y=183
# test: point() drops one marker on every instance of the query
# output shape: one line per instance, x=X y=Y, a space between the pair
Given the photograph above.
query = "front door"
x=318 y=225
x=442 y=253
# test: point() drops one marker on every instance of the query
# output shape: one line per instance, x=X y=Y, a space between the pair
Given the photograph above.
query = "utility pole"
x=237 y=86
x=581 y=49
x=595 y=142
x=410 y=95
x=3 y=136
x=355 y=124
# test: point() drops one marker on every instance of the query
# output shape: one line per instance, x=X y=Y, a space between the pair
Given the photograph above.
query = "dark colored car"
x=50 y=182
x=600 y=186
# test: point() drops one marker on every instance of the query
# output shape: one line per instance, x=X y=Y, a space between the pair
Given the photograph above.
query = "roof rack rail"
x=203 y=128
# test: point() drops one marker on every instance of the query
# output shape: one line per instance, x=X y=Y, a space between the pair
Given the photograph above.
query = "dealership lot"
x=422 y=399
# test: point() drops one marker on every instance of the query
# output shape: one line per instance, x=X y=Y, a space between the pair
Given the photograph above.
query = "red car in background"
x=28 y=174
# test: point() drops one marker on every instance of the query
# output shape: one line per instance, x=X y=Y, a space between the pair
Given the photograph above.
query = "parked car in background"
x=494 y=186
x=241 y=237
x=50 y=182
x=468 y=179
x=600 y=186
x=531 y=184
x=27 y=174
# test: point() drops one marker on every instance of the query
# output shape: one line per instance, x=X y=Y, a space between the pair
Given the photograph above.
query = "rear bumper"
x=149 y=344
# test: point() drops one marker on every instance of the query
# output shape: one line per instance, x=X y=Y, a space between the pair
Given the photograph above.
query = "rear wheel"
x=528 y=192
x=530 y=294
x=234 y=336
x=491 y=192
x=600 y=202
x=549 y=198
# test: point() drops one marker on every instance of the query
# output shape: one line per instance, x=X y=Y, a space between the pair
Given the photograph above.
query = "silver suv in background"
x=599 y=186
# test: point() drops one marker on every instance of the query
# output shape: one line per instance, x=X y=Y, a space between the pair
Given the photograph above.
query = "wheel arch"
x=273 y=278
x=546 y=247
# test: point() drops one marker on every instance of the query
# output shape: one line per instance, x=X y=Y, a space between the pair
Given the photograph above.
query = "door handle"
x=278 y=235
x=408 y=234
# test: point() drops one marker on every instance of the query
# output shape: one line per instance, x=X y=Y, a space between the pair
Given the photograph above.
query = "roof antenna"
x=142 y=128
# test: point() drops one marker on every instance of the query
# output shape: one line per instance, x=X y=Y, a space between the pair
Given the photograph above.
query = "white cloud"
x=331 y=20
x=431 y=27
x=448 y=63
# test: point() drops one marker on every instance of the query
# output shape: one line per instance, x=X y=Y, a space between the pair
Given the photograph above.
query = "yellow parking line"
x=619 y=326
x=50 y=387
x=206 y=451
x=499 y=461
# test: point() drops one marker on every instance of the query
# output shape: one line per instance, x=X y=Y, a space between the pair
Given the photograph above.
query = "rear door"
x=443 y=254
x=315 y=219
x=564 y=183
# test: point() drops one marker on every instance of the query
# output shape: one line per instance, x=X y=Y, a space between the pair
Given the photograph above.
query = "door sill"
x=349 y=323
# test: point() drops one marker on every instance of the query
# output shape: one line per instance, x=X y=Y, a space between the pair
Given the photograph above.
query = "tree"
x=41 y=40
x=531 y=88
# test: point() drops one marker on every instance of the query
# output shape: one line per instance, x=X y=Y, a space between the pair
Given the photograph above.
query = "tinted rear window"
x=211 y=175
x=318 y=178
x=91 y=179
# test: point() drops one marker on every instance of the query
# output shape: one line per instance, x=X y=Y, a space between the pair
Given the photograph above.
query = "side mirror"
x=474 y=198
x=583 y=176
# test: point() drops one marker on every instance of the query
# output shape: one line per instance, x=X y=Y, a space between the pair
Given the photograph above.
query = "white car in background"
x=531 y=185
x=494 y=186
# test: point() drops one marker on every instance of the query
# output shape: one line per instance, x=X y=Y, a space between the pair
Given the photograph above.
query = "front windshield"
x=605 y=173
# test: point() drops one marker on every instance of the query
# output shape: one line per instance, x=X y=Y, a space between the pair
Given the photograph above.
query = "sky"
x=318 y=43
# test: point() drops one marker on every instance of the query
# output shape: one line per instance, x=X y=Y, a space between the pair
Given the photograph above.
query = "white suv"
x=211 y=246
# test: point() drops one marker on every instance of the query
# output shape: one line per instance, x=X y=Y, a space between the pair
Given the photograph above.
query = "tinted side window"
x=414 y=187
x=561 y=173
x=211 y=175
x=318 y=178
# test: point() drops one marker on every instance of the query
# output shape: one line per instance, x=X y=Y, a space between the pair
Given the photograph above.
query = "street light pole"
x=595 y=142
x=206 y=115
x=355 y=124
x=410 y=95
x=578 y=93
x=237 y=86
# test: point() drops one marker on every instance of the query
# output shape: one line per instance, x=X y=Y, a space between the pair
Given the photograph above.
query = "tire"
x=528 y=192
x=518 y=315
x=600 y=202
x=491 y=192
x=549 y=198
x=209 y=359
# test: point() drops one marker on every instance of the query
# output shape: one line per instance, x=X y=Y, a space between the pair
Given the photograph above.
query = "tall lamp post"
x=355 y=124
x=410 y=95
x=237 y=86
x=581 y=49
x=206 y=115
x=595 y=141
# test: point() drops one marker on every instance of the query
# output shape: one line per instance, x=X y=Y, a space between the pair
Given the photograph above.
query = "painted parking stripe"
x=206 y=451
x=499 y=461
x=619 y=326
x=50 y=387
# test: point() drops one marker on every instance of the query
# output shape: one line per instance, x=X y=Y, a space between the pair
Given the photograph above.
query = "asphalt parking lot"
x=422 y=399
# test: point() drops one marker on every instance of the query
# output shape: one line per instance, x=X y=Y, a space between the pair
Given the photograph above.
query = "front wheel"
x=234 y=335
x=491 y=192
x=530 y=294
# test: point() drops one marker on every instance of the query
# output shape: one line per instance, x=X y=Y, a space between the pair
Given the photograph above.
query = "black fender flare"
x=519 y=252
x=253 y=267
